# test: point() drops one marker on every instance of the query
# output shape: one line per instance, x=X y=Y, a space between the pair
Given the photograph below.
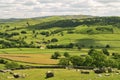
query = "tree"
x=64 y=61
x=88 y=61
x=54 y=40
x=12 y=65
x=28 y=24
x=23 y=32
x=91 y=51
x=105 y=51
x=116 y=55
x=2 y=61
x=79 y=48
x=56 y=55
x=33 y=31
x=77 y=60
x=66 y=54
x=107 y=46
x=70 y=45
x=99 y=59
x=112 y=63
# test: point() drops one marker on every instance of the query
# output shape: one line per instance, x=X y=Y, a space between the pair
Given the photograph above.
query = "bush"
x=56 y=55
x=64 y=61
x=23 y=32
x=14 y=34
x=54 y=40
x=12 y=65
x=116 y=55
x=2 y=61
x=66 y=54
x=107 y=46
x=77 y=60
x=105 y=51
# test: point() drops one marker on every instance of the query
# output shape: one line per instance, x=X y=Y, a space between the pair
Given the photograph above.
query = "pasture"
x=31 y=58
x=17 y=35
x=41 y=56
x=59 y=74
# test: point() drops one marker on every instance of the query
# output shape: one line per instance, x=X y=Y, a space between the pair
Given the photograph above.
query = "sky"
x=38 y=8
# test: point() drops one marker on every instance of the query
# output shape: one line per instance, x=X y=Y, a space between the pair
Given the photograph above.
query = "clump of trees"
x=56 y=55
x=94 y=58
x=70 y=45
x=10 y=64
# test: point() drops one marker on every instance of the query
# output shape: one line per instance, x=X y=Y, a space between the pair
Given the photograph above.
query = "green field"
x=59 y=74
x=27 y=41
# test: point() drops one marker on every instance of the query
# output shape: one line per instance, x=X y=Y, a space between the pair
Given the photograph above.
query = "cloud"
x=34 y=8
x=108 y=1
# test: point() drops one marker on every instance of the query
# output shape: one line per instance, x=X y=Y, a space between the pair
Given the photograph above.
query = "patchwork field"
x=30 y=58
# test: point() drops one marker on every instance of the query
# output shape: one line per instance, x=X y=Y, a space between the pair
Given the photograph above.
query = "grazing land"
x=39 y=74
x=76 y=40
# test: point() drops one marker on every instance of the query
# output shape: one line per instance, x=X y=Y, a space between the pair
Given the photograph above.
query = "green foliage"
x=64 y=61
x=46 y=33
x=91 y=51
x=3 y=61
x=54 y=40
x=77 y=60
x=66 y=54
x=98 y=58
x=79 y=47
x=116 y=55
x=56 y=55
x=112 y=63
x=12 y=65
x=107 y=46
x=105 y=51
x=88 y=61
x=70 y=45
x=23 y=32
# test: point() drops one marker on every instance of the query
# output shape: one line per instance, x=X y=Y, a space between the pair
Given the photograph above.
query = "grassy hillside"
x=83 y=31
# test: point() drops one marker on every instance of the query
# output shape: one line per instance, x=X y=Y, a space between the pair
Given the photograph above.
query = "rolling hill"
x=68 y=31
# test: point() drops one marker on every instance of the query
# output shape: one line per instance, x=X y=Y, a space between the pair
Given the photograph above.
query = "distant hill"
x=63 y=16
x=9 y=20
x=63 y=31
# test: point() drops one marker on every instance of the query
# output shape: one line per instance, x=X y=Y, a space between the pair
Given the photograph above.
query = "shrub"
x=56 y=55
x=64 y=61
x=23 y=32
x=54 y=40
x=105 y=51
x=107 y=46
x=2 y=61
x=15 y=34
x=66 y=54
x=12 y=65
x=77 y=60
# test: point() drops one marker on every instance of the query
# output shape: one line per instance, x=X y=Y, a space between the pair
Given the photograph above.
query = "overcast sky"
x=37 y=8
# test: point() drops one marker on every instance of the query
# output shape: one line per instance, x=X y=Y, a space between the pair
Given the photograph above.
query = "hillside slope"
x=60 y=32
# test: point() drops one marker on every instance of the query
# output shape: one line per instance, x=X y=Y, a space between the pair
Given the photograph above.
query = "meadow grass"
x=59 y=74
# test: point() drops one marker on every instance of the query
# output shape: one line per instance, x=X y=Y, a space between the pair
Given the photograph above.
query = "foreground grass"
x=60 y=74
